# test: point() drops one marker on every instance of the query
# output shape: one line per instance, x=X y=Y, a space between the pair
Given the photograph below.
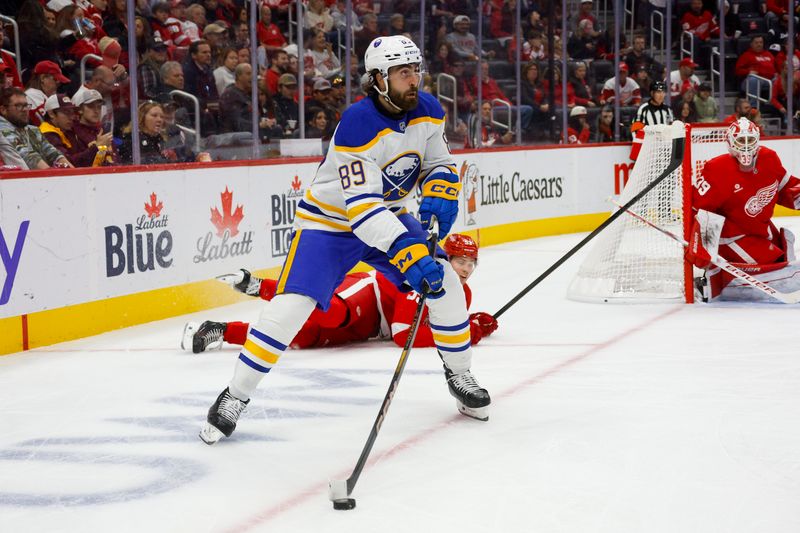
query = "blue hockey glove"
x=410 y=256
x=440 y=198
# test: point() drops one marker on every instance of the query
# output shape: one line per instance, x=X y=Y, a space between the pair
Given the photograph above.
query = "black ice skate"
x=243 y=282
x=201 y=337
x=471 y=399
x=222 y=417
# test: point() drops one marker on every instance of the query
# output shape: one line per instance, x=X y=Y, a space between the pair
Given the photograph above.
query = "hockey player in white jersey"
x=354 y=210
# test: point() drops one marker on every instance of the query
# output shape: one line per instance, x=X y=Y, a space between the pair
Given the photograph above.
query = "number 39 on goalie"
x=702 y=186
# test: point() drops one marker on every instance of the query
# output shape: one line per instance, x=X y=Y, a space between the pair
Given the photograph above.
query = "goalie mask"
x=742 y=138
x=384 y=53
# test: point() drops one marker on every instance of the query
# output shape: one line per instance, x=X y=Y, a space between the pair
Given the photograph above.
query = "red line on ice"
x=272 y=512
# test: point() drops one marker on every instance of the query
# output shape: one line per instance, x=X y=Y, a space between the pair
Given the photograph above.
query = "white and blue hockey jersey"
x=372 y=165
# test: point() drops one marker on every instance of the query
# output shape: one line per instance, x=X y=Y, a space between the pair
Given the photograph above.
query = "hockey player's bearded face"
x=404 y=86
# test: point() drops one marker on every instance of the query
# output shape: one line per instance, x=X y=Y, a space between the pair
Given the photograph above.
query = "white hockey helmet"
x=386 y=52
x=742 y=137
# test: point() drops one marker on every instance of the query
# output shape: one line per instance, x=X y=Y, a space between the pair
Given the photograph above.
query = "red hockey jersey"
x=747 y=201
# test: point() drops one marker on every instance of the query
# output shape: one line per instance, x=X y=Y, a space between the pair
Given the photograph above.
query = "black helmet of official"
x=658 y=86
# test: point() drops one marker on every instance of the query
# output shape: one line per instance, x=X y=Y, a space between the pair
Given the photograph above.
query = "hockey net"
x=630 y=261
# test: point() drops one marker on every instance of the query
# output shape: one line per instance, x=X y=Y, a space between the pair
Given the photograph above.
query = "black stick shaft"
x=398 y=372
x=675 y=162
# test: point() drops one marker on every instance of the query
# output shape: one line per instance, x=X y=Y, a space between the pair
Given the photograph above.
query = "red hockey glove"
x=696 y=253
x=475 y=333
x=485 y=321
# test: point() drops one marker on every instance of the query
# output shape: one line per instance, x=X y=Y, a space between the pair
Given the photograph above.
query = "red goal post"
x=631 y=262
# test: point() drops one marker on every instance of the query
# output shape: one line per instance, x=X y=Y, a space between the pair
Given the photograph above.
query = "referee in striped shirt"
x=655 y=111
x=650 y=113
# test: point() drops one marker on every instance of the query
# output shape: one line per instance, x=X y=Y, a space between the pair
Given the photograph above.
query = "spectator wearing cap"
x=698 y=21
x=235 y=103
x=89 y=134
x=279 y=66
x=8 y=64
x=684 y=78
x=104 y=82
x=756 y=60
x=629 y=93
x=215 y=34
x=705 y=104
x=338 y=98
x=46 y=78
x=57 y=128
x=577 y=126
x=24 y=145
x=463 y=43
x=326 y=63
x=582 y=44
x=269 y=35
x=322 y=96
x=286 y=109
x=199 y=81
x=224 y=74
x=149 y=69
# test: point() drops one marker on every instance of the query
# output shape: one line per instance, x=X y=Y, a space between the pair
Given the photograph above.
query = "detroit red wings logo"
x=761 y=199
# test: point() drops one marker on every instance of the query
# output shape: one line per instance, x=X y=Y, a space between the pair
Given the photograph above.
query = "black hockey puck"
x=344 y=505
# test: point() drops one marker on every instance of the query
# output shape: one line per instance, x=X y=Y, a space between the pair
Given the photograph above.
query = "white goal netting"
x=630 y=261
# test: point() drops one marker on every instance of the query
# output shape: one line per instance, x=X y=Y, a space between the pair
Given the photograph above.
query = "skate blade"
x=210 y=435
x=478 y=413
x=188 y=333
x=231 y=279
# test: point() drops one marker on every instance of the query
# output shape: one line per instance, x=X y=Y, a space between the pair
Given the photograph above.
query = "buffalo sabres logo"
x=761 y=199
x=402 y=125
x=400 y=175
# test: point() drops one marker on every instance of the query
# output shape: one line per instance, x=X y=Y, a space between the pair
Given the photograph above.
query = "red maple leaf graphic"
x=153 y=209
x=296 y=184
x=227 y=220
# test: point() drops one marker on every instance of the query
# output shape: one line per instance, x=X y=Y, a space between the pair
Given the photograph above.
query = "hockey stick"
x=675 y=161
x=785 y=297
x=339 y=491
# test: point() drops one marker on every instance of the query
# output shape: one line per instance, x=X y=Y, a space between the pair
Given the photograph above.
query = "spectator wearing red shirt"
x=279 y=66
x=630 y=94
x=7 y=62
x=558 y=92
x=683 y=79
x=578 y=128
x=269 y=35
x=756 y=60
x=698 y=21
x=502 y=21
x=779 y=96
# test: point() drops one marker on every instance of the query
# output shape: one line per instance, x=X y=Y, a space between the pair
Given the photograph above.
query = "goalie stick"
x=339 y=491
x=785 y=297
x=675 y=162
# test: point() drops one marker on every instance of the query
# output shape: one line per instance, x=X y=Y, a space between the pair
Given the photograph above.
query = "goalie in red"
x=734 y=199
x=366 y=305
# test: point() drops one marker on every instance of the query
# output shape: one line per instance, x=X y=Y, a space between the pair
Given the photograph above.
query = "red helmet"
x=459 y=245
x=742 y=137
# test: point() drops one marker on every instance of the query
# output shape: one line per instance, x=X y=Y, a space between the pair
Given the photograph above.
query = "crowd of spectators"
x=195 y=76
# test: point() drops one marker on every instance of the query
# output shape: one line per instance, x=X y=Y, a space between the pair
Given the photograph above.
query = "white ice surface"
x=613 y=419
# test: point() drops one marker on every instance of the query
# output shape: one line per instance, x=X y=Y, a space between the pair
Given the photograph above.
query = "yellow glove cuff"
x=441 y=189
x=408 y=256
